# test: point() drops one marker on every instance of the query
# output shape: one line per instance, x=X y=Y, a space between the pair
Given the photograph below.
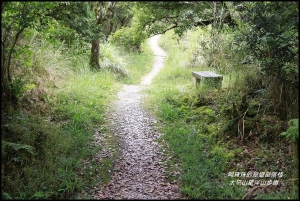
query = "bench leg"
x=214 y=83
x=210 y=82
x=196 y=82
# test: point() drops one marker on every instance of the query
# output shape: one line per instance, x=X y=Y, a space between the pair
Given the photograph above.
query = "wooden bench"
x=209 y=78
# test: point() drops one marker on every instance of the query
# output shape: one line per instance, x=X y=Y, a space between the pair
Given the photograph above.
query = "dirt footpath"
x=139 y=173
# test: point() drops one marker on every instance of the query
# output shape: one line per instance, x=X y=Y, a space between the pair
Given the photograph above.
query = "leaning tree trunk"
x=94 y=62
x=8 y=97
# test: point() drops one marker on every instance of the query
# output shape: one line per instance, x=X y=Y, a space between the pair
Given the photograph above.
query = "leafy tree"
x=128 y=34
x=74 y=20
x=151 y=18
x=159 y=17
x=270 y=36
x=269 y=31
x=109 y=17
x=129 y=37
x=15 y=18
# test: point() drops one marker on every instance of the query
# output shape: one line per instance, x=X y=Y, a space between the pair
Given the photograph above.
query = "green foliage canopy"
x=159 y=17
x=272 y=37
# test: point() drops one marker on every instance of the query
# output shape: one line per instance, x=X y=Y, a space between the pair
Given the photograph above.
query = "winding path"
x=139 y=173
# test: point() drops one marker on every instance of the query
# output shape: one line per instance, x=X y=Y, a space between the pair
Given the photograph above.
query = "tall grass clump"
x=49 y=61
x=138 y=63
x=110 y=60
x=221 y=55
x=127 y=66
x=39 y=68
x=62 y=104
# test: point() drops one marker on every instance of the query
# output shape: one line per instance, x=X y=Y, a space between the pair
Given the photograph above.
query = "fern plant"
x=292 y=131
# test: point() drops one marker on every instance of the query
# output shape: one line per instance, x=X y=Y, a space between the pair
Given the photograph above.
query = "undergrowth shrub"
x=30 y=155
x=62 y=104
x=129 y=38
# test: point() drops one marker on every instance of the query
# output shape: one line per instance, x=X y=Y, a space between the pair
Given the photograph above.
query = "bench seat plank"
x=205 y=74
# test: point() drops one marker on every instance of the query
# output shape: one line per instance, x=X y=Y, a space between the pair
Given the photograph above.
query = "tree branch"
x=159 y=19
x=227 y=20
x=164 y=31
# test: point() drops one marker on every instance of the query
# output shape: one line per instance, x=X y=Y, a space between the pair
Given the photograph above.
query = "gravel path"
x=139 y=173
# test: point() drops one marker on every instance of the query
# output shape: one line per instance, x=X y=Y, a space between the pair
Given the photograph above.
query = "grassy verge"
x=50 y=147
x=198 y=125
x=203 y=173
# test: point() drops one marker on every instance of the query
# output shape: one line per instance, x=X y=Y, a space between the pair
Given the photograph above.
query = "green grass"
x=63 y=103
x=138 y=64
x=82 y=108
x=57 y=120
x=203 y=170
x=49 y=140
x=192 y=119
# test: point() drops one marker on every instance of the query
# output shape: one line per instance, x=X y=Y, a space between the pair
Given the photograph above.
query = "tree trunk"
x=8 y=98
x=104 y=12
x=94 y=62
x=234 y=15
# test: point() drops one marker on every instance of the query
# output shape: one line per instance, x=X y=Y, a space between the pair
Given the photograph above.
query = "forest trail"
x=139 y=173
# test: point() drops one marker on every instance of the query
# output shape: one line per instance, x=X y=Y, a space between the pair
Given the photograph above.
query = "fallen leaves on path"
x=140 y=171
